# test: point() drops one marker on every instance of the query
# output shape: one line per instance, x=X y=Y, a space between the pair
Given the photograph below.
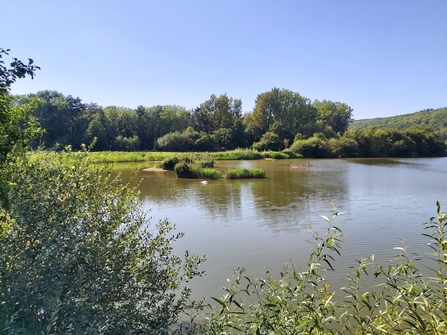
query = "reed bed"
x=238 y=154
x=124 y=156
x=245 y=173
x=208 y=173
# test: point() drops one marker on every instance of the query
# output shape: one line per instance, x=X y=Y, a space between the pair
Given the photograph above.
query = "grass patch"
x=238 y=154
x=124 y=156
x=185 y=169
x=245 y=173
x=208 y=173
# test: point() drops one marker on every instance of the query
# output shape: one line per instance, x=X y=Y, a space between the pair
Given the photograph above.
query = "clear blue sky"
x=381 y=57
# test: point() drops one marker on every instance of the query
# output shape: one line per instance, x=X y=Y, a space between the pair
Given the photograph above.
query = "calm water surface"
x=264 y=223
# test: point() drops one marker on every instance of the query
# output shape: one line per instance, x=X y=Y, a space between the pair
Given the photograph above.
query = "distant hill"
x=435 y=119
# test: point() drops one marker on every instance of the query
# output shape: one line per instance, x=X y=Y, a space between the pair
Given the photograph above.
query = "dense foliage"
x=281 y=120
x=217 y=124
x=433 y=119
x=77 y=253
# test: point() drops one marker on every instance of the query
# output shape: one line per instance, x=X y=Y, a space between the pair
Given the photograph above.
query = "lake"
x=264 y=223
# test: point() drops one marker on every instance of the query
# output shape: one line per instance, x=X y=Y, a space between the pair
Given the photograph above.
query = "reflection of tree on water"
x=283 y=201
x=287 y=199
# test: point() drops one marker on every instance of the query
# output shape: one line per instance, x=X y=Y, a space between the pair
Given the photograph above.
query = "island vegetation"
x=78 y=255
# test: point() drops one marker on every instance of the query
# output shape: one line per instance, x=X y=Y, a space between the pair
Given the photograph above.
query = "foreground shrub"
x=405 y=301
x=78 y=256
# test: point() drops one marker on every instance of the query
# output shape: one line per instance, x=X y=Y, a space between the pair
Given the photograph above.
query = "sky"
x=381 y=57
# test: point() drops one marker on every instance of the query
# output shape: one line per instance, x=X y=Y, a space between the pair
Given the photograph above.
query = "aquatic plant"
x=245 y=173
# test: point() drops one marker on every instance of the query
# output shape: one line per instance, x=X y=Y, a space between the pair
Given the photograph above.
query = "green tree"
x=216 y=113
x=17 y=127
x=78 y=255
x=58 y=115
x=96 y=131
x=285 y=110
x=269 y=141
x=223 y=139
x=427 y=143
x=175 y=141
x=335 y=114
x=267 y=109
x=313 y=147
x=251 y=131
x=343 y=147
x=17 y=70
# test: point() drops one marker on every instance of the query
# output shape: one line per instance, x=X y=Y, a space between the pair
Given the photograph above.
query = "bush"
x=175 y=141
x=274 y=155
x=269 y=141
x=313 y=147
x=343 y=147
x=78 y=256
x=169 y=164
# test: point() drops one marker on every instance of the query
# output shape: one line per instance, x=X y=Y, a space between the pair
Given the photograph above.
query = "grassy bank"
x=145 y=156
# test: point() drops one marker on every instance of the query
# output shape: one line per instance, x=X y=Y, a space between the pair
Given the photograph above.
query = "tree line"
x=216 y=124
x=280 y=120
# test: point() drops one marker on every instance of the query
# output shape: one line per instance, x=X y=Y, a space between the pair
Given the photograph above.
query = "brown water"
x=265 y=222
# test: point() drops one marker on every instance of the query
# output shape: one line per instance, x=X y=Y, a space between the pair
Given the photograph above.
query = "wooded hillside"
x=435 y=119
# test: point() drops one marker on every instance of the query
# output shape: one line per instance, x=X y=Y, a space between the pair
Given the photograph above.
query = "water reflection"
x=264 y=222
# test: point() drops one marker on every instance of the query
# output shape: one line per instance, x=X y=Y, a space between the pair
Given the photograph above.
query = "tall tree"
x=216 y=113
x=335 y=114
x=267 y=109
x=17 y=127
x=57 y=114
x=285 y=109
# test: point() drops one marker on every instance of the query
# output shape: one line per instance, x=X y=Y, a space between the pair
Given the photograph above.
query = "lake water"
x=264 y=223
